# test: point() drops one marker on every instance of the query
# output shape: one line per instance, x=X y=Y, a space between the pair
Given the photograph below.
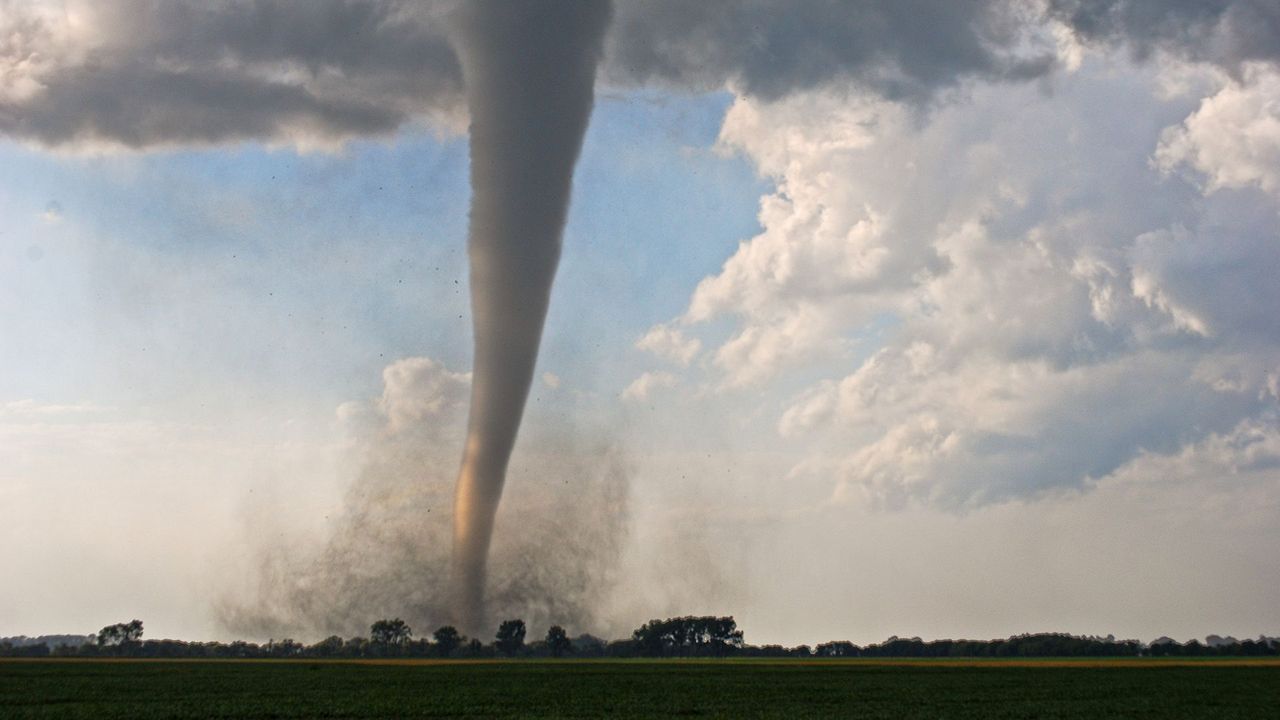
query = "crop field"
x=630 y=689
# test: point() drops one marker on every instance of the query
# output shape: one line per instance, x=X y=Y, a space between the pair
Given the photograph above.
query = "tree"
x=704 y=635
x=836 y=648
x=327 y=647
x=390 y=632
x=447 y=640
x=558 y=641
x=287 y=647
x=120 y=633
x=510 y=637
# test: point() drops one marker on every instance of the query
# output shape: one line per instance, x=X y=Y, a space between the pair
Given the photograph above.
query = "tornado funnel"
x=529 y=68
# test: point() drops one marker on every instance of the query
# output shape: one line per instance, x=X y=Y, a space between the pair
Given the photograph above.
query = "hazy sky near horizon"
x=937 y=319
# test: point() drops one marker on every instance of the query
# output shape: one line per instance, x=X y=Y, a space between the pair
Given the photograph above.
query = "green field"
x=728 y=689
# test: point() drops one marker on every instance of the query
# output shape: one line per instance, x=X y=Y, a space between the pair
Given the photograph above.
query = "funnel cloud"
x=529 y=70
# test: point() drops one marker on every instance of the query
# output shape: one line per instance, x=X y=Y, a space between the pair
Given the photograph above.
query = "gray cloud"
x=1228 y=33
x=770 y=49
x=138 y=73
x=166 y=73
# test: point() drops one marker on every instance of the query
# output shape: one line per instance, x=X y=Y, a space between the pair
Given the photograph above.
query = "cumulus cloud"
x=988 y=431
x=823 y=240
x=1217 y=281
x=1026 y=302
x=642 y=387
x=416 y=390
x=670 y=343
x=1233 y=139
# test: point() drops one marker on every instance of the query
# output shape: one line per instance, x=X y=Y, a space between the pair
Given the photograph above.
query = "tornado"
x=529 y=69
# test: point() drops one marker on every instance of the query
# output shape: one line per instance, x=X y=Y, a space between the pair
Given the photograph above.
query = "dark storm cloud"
x=771 y=48
x=142 y=73
x=164 y=73
x=142 y=106
x=1224 y=32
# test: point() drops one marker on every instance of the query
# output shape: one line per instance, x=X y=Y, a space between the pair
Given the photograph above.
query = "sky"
x=952 y=320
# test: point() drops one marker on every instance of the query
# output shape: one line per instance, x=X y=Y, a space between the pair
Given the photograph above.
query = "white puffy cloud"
x=417 y=389
x=641 y=388
x=824 y=242
x=1233 y=139
x=1021 y=302
x=670 y=343
x=987 y=430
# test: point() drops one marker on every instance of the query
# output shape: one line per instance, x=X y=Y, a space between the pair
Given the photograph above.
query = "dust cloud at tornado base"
x=582 y=538
x=562 y=530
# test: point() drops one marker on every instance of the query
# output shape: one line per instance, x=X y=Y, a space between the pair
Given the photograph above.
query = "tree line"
x=690 y=636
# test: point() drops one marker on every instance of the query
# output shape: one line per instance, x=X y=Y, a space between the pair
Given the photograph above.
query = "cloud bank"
x=1031 y=291
x=1226 y=33
x=140 y=74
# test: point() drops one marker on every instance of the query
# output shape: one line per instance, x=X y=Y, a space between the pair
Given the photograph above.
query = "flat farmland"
x=1050 y=688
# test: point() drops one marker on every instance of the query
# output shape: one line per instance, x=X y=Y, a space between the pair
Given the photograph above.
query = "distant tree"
x=623 y=649
x=837 y=648
x=658 y=637
x=33 y=650
x=587 y=645
x=558 y=642
x=704 y=635
x=447 y=640
x=418 y=648
x=510 y=637
x=120 y=633
x=674 y=636
x=287 y=647
x=327 y=647
x=390 y=633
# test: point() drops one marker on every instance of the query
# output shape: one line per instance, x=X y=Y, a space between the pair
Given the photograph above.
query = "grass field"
x=629 y=689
